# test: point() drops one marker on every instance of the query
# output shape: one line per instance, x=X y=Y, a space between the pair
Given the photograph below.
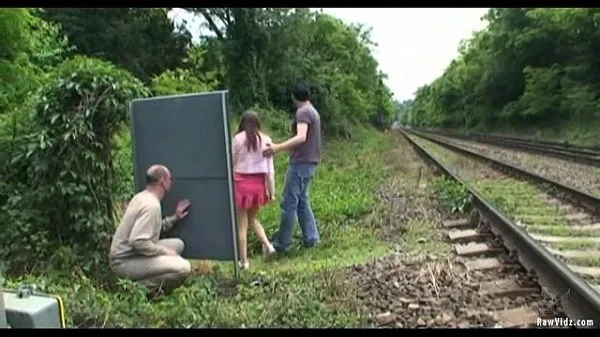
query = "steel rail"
x=543 y=145
x=552 y=143
x=576 y=297
x=587 y=200
x=557 y=144
x=573 y=154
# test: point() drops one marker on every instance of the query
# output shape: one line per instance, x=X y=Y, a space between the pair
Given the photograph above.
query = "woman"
x=254 y=181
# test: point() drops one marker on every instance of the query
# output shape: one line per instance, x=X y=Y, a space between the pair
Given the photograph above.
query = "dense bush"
x=66 y=166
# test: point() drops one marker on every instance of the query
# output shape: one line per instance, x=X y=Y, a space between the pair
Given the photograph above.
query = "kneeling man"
x=136 y=251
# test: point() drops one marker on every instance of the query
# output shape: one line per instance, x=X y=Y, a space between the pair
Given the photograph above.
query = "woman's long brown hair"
x=250 y=123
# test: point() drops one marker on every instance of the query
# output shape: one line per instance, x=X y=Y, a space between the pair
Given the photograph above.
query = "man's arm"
x=168 y=222
x=299 y=138
x=270 y=181
x=141 y=234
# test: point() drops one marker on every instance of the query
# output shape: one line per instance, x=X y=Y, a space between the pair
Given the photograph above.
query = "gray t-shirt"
x=310 y=150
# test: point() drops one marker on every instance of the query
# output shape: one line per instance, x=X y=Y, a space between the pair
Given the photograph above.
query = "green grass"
x=421 y=238
x=351 y=245
x=304 y=288
x=534 y=210
x=558 y=230
x=576 y=244
x=537 y=219
x=586 y=261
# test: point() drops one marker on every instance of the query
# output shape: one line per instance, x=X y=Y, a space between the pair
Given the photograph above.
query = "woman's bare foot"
x=244 y=266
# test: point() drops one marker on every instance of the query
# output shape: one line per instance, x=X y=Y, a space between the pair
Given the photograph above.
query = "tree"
x=529 y=67
x=268 y=49
x=141 y=40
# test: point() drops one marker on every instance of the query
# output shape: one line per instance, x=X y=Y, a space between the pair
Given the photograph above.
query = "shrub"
x=455 y=197
x=67 y=199
x=179 y=81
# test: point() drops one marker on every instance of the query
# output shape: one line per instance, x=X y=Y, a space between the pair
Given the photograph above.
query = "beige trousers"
x=156 y=271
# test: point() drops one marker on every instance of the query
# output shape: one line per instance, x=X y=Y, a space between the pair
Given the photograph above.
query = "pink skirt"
x=250 y=191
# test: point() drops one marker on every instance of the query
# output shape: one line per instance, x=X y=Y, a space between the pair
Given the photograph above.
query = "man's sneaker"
x=312 y=244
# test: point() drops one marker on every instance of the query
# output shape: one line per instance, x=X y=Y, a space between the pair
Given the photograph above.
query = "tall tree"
x=529 y=67
x=142 y=40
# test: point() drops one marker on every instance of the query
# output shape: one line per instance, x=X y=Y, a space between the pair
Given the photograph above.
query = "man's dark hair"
x=301 y=92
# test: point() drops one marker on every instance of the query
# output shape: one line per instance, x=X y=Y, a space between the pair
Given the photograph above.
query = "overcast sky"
x=415 y=45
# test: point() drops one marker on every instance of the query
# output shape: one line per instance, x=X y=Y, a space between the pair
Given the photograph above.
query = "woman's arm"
x=235 y=151
x=271 y=178
x=270 y=182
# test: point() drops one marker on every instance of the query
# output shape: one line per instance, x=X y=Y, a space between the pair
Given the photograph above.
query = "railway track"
x=586 y=155
x=563 y=144
x=532 y=242
x=577 y=175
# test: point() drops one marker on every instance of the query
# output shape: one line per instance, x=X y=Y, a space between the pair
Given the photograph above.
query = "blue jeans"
x=295 y=203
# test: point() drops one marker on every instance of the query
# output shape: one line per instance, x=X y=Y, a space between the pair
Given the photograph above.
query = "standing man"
x=305 y=148
x=136 y=251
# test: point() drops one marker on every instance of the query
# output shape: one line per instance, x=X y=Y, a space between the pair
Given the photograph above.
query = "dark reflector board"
x=190 y=135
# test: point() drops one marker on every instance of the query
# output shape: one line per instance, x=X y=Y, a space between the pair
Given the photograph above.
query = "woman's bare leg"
x=258 y=229
x=243 y=236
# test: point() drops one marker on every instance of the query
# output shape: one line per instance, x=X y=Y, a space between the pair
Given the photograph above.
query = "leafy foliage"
x=141 y=40
x=29 y=46
x=66 y=156
x=531 y=67
x=194 y=77
x=268 y=49
x=68 y=164
x=455 y=197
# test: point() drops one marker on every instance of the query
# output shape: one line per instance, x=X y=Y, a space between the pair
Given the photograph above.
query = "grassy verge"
x=301 y=289
x=574 y=132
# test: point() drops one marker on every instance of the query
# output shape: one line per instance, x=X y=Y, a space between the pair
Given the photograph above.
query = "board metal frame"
x=229 y=161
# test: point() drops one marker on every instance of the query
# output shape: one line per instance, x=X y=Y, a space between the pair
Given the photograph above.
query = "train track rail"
x=556 y=144
x=577 y=175
x=576 y=296
x=586 y=155
x=563 y=144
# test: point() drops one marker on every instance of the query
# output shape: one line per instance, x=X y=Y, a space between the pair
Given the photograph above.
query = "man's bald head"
x=155 y=173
